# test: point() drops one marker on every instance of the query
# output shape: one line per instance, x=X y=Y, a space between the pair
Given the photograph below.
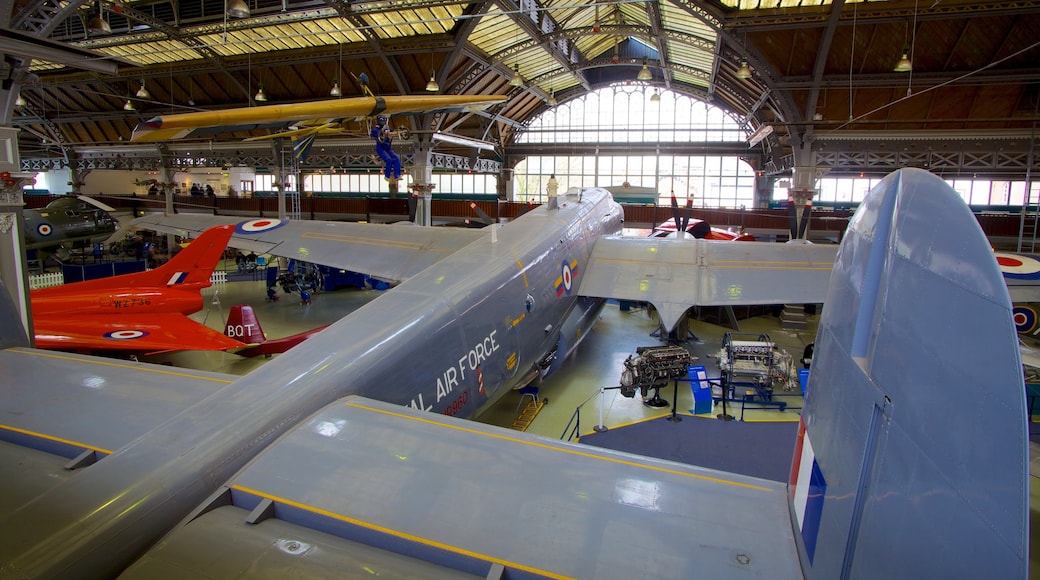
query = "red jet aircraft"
x=694 y=227
x=144 y=312
x=242 y=324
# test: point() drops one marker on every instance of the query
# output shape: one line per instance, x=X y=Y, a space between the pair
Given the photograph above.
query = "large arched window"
x=630 y=114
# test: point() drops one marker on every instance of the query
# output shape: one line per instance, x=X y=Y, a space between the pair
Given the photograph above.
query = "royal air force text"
x=467 y=367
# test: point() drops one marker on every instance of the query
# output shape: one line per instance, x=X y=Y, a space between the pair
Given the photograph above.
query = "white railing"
x=47 y=280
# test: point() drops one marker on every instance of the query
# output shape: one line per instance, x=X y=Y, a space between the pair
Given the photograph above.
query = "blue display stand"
x=701 y=389
x=803 y=380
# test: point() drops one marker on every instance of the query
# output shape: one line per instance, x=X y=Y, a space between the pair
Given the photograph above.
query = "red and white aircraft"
x=242 y=324
x=144 y=312
x=147 y=312
x=694 y=227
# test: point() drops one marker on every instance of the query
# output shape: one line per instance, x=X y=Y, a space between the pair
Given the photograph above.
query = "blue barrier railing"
x=756 y=402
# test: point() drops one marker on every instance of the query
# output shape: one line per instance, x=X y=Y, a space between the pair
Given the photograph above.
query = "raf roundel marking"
x=1025 y=319
x=44 y=229
x=125 y=334
x=259 y=226
x=1019 y=266
x=563 y=282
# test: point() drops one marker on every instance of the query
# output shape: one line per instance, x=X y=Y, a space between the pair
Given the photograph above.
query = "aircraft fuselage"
x=447 y=340
x=58 y=300
x=67 y=220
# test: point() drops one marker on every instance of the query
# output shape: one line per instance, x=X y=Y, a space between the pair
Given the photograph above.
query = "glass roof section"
x=774 y=4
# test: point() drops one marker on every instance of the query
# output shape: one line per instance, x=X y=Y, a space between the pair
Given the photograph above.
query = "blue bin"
x=803 y=380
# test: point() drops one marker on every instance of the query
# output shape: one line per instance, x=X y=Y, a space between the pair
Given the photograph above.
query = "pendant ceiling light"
x=336 y=90
x=142 y=93
x=20 y=101
x=744 y=72
x=517 y=80
x=432 y=86
x=129 y=106
x=260 y=94
x=904 y=64
x=644 y=73
x=97 y=24
x=237 y=9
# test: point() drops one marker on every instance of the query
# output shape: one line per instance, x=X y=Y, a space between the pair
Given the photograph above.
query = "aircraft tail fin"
x=193 y=266
x=912 y=454
x=302 y=145
x=243 y=325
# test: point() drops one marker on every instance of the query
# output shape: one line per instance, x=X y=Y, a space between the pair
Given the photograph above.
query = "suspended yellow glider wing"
x=209 y=123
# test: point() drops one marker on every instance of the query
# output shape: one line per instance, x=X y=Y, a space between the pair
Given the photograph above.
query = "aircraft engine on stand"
x=653 y=367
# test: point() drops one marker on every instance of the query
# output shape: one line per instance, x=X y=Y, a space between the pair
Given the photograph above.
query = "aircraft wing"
x=129 y=332
x=364 y=488
x=1021 y=274
x=675 y=274
x=206 y=123
x=392 y=252
x=65 y=411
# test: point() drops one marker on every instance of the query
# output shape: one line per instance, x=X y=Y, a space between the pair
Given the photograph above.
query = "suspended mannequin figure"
x=384 y=147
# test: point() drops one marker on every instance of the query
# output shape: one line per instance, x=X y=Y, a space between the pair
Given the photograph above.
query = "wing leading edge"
x=675 y=274
x=64 y=412
x=186 y=125
x=389 y=252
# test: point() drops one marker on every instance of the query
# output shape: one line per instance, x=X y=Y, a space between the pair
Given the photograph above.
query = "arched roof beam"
x=822 y=50
x=170 y=31
x=875 y=13
x=540 y=30
x=344 y=10
x=43 y=16
x=722 y=23
x=466 y=25
x=657 y=34
x=644 y=33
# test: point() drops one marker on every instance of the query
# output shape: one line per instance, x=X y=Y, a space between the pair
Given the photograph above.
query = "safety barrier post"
x=600 y=427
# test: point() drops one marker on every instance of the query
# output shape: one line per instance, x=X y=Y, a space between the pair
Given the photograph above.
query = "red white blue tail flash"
x=808 y=489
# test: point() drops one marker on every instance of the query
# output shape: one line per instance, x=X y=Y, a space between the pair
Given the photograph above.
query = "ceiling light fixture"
x=260 y=94
x=744 y=72
x=552 y=99
x=644 y=73
x=904 y=64
x=237 y=9
x=656 y=97
x=20 y=101
x=99 y=25
x=432 y=86
x=142 y=93
x=517 y=80
x=129 y=106
x=336 y=90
